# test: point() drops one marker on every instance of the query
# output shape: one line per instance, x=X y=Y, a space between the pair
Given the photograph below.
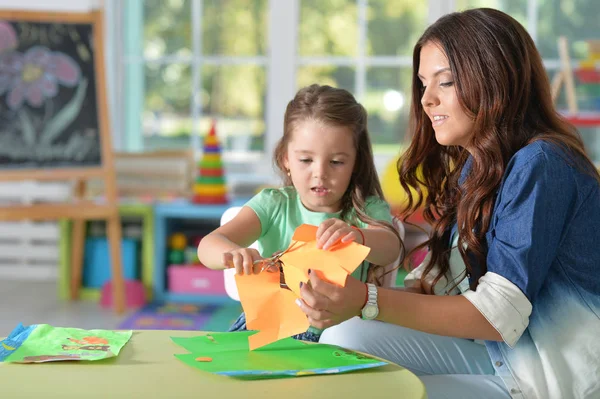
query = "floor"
x=37 y=303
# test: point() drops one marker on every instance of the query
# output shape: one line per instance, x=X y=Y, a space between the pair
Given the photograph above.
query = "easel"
x=565 y=75
x=80 y=210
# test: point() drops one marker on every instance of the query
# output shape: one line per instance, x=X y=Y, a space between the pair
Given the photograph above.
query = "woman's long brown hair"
x=502 y=85
x=338 y=107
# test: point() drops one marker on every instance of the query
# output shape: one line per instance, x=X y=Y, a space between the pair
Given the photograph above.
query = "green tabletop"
x=146 y=368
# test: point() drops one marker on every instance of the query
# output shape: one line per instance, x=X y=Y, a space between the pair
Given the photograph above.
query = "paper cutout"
x=40 y=343
x=271 y=309
x=284 y=358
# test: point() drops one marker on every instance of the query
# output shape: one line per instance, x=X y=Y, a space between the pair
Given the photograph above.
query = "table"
x=146 y=368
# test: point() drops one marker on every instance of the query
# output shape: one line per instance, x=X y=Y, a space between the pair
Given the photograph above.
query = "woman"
x=507 y=302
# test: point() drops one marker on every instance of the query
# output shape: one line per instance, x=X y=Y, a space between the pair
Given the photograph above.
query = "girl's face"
x=320 y=159
x=451 y=124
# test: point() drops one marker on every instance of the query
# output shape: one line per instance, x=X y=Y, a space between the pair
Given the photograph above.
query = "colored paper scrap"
x=39 y=343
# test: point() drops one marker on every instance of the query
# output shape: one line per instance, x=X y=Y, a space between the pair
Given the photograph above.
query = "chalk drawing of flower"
x=8 y=37
x=10 y=69
x=37 y=74
x=8 y=42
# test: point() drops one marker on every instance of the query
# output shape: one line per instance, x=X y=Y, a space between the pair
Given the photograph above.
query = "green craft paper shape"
x=228 y=342
x=287 y=357
x=48 y=343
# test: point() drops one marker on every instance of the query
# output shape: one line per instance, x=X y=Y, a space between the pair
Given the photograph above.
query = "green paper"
x=46 y=343
x=287 y=357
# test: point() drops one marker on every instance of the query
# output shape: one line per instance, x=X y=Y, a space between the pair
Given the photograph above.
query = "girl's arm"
x=385 y=247
x=239 y=232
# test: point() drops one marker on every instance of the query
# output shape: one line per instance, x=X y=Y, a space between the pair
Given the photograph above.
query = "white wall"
x=51 y=5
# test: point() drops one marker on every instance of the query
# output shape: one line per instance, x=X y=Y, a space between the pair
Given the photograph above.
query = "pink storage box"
x=195 y=280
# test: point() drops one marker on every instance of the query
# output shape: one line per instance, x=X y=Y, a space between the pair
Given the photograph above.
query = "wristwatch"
x=370 y=310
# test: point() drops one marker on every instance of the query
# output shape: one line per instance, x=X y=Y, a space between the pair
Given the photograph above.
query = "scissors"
x=270 y=262
x=275 y=260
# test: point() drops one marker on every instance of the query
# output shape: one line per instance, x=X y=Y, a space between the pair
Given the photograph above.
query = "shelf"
x=583 y=119
x=130 y=209
x=588 y=75
x=164 y=216
x=183 y=209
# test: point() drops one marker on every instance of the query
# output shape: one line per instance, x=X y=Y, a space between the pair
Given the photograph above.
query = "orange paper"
x=271 y=309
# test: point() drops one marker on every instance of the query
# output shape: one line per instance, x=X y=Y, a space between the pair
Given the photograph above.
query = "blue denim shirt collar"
x=463 y=176
x=464 y=173
x=465 y=170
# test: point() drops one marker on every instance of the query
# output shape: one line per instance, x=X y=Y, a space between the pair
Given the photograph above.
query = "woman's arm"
x=453 y=316
x=240 y=232
x=414 y=290
x=326 y=305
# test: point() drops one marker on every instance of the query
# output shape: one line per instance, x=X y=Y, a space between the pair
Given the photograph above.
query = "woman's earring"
x=289 y=173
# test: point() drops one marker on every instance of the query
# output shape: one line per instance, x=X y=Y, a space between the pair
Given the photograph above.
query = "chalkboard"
x=54 y=124
x=48 y=94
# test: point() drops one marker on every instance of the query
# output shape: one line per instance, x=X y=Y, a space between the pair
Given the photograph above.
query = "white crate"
x=29 y=250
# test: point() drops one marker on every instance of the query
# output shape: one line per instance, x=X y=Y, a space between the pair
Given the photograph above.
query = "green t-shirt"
x=280 y=212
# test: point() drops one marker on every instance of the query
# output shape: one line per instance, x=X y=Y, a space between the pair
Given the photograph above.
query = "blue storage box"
x=96 y=261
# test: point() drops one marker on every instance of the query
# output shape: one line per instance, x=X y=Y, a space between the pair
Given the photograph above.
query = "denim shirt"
x=541 y=290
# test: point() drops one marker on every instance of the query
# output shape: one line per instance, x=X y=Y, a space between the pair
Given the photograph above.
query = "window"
x=364 y=47
x=187 y=62
x=183 y=63
x=199 y=61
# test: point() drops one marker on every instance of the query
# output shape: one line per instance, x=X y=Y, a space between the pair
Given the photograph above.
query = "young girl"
x=514 y=204
x=330 y=181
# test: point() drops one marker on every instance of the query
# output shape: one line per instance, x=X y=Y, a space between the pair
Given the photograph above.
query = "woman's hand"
x=242 y=259
x=332 y=230
x=326 y=304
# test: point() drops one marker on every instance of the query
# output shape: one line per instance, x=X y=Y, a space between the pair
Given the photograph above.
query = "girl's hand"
x=242 y=260
x=332 y=230
x=326 y=304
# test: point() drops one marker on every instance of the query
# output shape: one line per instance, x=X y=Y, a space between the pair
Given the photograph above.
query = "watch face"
x=370 y=311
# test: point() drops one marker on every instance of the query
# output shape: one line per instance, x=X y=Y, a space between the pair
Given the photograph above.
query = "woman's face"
x=440 y=101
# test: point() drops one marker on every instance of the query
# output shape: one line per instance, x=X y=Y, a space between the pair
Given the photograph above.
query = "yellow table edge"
x=147 y=368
